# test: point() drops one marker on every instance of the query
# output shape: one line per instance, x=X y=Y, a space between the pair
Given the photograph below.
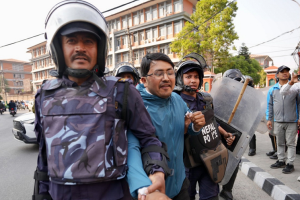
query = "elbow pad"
x=148 y=162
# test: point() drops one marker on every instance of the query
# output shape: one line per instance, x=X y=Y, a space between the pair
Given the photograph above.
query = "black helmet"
x=234 y=74
x=126 y=67
x=251 y=82
x=72 y=16
x=198 y=63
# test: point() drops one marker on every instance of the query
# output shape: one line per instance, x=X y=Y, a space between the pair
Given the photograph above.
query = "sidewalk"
x=260 y=160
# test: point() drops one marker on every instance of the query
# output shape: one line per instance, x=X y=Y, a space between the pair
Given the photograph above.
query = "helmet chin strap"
x=189 y=89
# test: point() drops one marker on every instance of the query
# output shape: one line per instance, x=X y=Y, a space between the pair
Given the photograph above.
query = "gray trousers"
x=286 y=132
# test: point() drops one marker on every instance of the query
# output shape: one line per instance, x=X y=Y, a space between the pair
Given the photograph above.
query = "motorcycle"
x=1 y=110
x=12 y=112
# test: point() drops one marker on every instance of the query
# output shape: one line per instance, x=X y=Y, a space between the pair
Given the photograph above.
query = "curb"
x=271 y=185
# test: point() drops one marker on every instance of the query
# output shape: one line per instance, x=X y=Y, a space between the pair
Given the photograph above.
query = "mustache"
x=80 y=55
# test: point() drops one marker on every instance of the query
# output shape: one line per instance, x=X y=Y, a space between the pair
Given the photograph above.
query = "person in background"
x=284 y=108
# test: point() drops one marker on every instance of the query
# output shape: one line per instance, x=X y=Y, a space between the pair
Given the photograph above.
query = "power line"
x=44 y=33
x=196 y=27
x=274 y=51
x=275 y=37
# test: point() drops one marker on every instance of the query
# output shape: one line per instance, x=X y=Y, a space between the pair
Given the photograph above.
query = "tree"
x=251 y=68
x=213 y=37
x=244 y=51
x=7 y=88
x=263 y=76
x=296 y=71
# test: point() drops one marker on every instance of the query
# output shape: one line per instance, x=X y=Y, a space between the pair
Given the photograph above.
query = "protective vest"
x=207 y=148
x=85 y=134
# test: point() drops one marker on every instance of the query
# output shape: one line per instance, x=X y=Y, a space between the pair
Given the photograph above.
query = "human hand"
x=294 y=79
x=269 y=125
x=197 y=119
x=187 y=122
x=158 y=184
x=157 y=196
x=230 y=140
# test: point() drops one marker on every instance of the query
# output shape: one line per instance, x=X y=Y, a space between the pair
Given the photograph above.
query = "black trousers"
x=184 y=192
x=273 y=140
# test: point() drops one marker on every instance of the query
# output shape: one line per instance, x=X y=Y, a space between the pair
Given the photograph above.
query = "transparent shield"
x=248 y=115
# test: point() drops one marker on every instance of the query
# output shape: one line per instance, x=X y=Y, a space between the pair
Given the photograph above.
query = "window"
x=271 y=82
x=136 y=20
x=149 y=50
x=118 y=58
x=124 y=25
x=136 y=55
x=113 y=25
x=154 y=12
x=169 y=8
x=19 y=76
x=109 y=26
x=148 y=14
x=155 y=49
x=169 y=29
x=168 y=49
x=17 y=67
x=110 y=42
x=129 y=21
x=177 y=27
x=125 y=57
x=118 y=42
x=118 y=24
x=124 y=40
x=148 y=35
x=135 y=37
x=162 y=49
x=206 y=86
x=162 y=31
x=43 y=74
x=161 y=10
x=141 y=36
x=177 y=6
x=141 y=16
x=155 y=33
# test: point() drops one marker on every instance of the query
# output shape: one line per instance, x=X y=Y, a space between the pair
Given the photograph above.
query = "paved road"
x=18 y=162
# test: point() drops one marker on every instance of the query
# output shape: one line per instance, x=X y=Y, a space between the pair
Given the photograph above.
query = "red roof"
x=14 y=60
x=271 y=68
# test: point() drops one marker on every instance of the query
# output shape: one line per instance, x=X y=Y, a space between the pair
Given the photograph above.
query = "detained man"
x=168 y=113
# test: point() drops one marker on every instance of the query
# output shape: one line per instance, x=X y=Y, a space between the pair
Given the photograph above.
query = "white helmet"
x=72 y=16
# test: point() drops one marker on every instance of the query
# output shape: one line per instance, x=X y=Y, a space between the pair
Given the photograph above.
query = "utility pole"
x=130 y=47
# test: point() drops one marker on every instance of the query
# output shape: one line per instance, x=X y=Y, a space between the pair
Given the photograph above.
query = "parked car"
x=23 y=128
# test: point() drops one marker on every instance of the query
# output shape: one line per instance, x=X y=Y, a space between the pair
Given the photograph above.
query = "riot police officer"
x=127 y=71
x=82 y=117
x=189 y=79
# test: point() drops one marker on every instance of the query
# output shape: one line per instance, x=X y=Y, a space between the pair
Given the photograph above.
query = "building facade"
x=41 y=64
x=147 y=28
x=271 y=73
x=17 y=74
x=265 y=61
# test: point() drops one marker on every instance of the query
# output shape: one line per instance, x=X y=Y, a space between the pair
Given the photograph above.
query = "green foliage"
x=296 y=71
x=1 y=97
x=214 y=38
x=263 y=76
x=251 y=67
x=244 y=51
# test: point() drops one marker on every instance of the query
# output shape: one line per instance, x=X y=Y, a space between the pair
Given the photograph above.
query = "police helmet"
x=251 y=81
x=234 y=74
x=72 y=16
x=197 y=63
x=126 y=67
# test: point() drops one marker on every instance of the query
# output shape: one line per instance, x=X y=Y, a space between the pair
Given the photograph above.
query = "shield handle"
x=238 y=100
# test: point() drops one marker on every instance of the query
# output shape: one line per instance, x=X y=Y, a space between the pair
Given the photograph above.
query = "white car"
x=23 y=129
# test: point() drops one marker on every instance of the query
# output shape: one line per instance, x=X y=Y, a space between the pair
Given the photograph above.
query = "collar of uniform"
x=187 y=97
x=70 y=83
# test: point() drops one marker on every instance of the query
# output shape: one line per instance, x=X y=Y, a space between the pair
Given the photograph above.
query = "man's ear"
x=144 y=81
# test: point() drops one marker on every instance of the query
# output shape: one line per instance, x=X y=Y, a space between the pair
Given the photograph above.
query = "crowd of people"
x=148 y=135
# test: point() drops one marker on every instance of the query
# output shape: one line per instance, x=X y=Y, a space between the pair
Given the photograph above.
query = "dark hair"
x=146 y=61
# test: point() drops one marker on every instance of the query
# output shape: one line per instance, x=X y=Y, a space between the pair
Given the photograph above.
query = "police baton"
x=238 y=100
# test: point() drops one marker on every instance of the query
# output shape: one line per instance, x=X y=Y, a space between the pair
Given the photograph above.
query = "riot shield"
x=248 y=115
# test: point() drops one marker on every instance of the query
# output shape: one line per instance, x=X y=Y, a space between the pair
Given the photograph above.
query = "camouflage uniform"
x=80 y=129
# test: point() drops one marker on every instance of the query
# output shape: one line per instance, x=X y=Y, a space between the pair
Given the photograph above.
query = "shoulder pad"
x=52 y=84
x=206 y=96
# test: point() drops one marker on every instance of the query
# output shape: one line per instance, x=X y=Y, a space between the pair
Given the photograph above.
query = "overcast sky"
x=257 y=21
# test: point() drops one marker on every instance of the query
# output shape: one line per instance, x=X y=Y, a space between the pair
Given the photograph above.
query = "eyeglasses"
x=160 y=74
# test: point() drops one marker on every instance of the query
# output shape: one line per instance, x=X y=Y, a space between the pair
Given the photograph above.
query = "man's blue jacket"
x=167 y=116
